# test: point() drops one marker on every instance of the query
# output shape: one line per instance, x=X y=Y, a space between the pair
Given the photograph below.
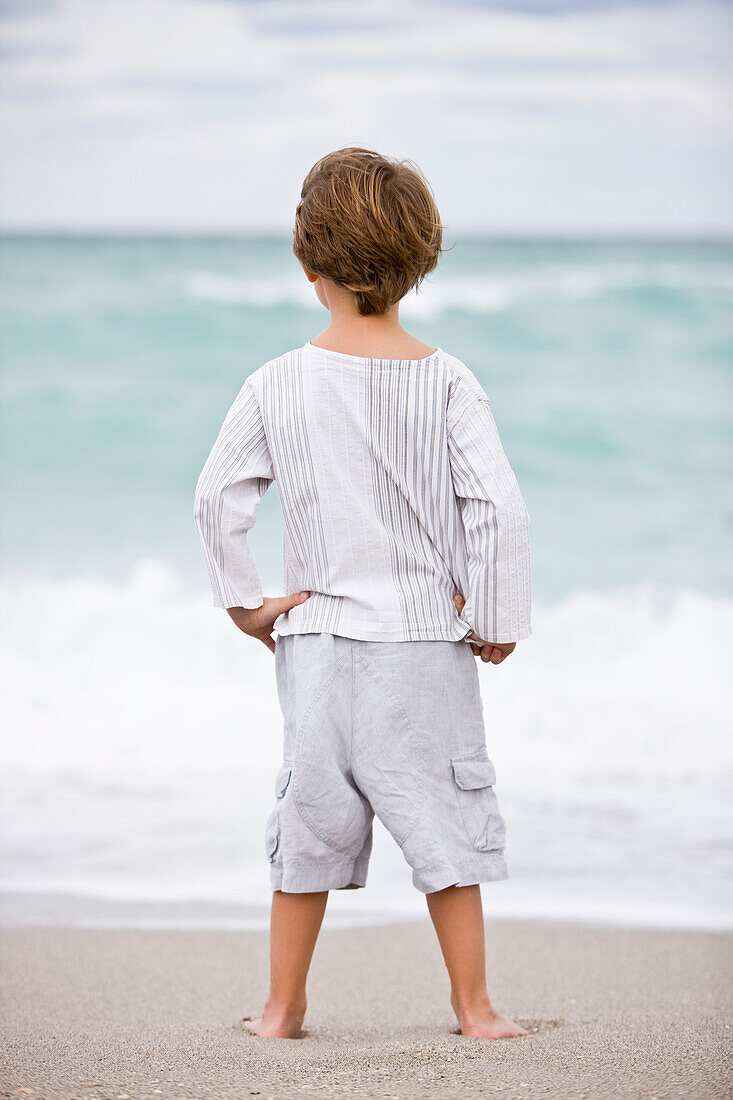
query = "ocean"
x=142 y=731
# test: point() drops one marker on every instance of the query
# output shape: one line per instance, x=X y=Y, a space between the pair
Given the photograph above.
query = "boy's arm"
x=496 y=524
x=228 y=492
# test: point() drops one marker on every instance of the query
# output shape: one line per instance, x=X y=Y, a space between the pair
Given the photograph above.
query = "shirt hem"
x=379 y=633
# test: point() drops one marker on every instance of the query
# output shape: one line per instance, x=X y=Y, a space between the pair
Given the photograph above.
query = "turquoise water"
x=142 y=732
x=609 y=367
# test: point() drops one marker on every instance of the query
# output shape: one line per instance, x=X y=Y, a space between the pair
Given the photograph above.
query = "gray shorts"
x=394 y=729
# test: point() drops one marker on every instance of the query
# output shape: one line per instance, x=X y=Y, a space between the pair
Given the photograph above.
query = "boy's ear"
x=308 y=274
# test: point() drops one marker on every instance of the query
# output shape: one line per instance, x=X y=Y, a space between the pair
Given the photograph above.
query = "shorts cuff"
x=492 y=868
x=310 y=877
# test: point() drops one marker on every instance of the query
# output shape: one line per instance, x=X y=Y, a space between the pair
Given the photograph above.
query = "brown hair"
x=368 y=223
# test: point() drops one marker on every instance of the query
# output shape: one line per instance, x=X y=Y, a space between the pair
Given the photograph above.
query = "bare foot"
x=275 y=1024
x=484 y=1022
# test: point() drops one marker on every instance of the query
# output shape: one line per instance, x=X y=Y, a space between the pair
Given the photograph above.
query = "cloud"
x=207 y=113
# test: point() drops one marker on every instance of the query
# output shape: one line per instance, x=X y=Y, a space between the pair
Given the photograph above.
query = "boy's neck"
x=379 y=337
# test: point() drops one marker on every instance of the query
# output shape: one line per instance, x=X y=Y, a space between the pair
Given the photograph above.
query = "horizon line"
x=722 y=236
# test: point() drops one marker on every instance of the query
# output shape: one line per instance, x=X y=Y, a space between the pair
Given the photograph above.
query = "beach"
x=567 y=245
x=130 y=1013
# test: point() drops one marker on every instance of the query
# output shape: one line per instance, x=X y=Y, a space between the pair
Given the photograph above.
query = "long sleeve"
x=235 y=476
x=496 y=524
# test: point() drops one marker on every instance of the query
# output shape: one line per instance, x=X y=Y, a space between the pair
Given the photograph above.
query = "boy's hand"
x=258 y=621
x=490 y=652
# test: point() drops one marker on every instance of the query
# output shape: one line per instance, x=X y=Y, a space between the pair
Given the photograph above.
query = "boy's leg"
x=458 y=917
x=295 y=921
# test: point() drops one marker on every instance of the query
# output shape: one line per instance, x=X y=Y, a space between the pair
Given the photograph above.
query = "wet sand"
x=118 y=1014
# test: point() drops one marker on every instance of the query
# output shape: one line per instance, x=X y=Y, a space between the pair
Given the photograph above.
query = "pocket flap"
x=282 y=780
x=473 y=770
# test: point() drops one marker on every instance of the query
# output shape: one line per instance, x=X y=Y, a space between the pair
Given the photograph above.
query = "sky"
x=527 y=116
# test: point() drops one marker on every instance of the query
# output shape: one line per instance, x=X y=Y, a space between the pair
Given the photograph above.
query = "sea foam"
x=481 y=293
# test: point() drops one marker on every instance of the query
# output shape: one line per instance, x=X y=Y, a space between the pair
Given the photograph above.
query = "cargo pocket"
x=272 y=828
x=475 y=777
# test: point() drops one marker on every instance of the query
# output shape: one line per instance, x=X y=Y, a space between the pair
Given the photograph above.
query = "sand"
x=120 y=1014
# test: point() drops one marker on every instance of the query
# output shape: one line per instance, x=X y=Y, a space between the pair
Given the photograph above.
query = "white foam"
x=232 y=290
x=536 y=284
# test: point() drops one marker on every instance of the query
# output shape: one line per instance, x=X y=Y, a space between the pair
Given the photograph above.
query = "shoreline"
x=69 y=909
x=96 y=1014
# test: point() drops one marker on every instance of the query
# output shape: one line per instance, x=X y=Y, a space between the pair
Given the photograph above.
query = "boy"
x=397 y=501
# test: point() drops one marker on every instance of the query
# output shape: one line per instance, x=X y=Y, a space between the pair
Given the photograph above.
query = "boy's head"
x=368 y=223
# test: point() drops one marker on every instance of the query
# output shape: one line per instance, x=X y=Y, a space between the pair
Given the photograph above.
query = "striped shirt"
x=395 y=493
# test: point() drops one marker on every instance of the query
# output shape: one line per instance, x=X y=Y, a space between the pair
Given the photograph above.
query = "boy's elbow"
x=203 y=505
